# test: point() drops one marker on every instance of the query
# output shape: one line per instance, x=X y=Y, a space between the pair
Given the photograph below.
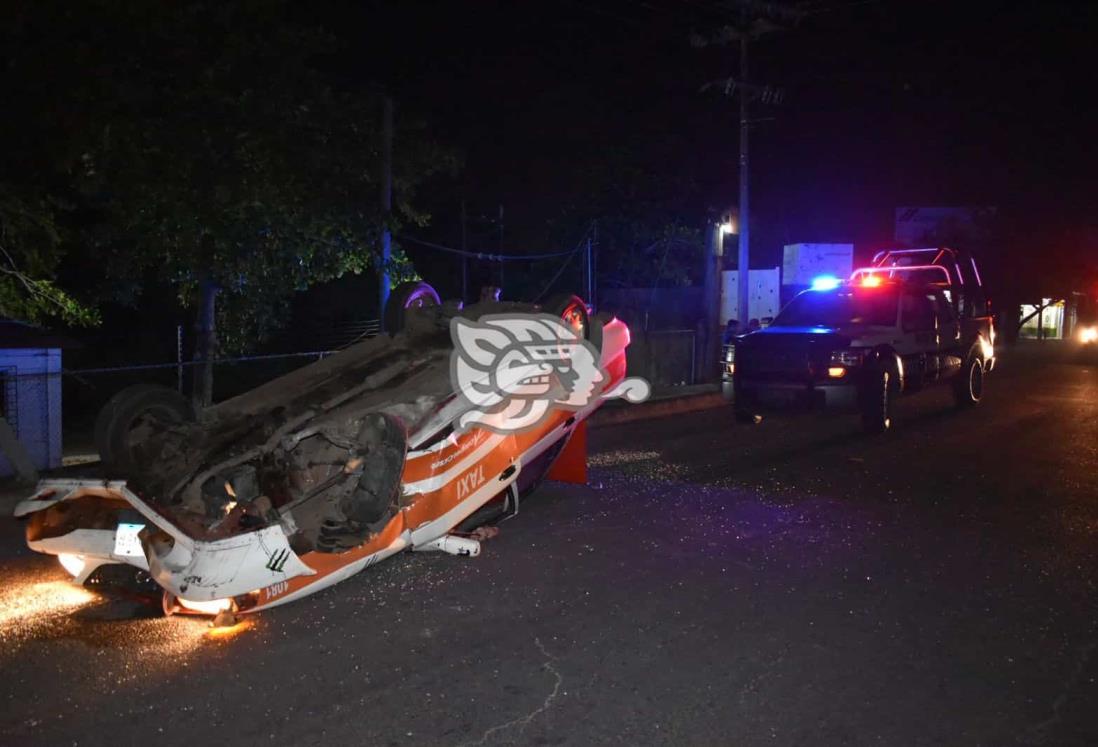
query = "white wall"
x=803 y=262
x=31 y=394
x=764 y=299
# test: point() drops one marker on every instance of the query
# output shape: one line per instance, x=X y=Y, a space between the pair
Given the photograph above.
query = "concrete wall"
x=803 y=262
x=763 y=301
x=30 y=393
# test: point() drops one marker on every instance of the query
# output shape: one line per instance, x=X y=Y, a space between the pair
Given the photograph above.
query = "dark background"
x=887 y=104
x=566 y=114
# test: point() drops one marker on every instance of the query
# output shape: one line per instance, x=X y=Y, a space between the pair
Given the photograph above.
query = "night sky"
x=887 y=103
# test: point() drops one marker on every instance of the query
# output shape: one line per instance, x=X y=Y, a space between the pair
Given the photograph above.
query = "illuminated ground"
x=791 y=584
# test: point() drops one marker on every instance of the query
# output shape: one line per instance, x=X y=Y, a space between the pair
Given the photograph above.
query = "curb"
x=660 y=407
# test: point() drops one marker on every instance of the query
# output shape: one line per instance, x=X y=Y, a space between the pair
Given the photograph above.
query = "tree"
x=227 y=158
x=30 y=251
x=649 y=221
x=206 y=145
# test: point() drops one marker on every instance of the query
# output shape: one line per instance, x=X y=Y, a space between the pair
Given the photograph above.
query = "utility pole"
x=386 y=204
x=501 y=248
x=464 y=258
x=587 y=272
x=755 y=19
x=712 y=288
x=743 y=265
x=593 y=299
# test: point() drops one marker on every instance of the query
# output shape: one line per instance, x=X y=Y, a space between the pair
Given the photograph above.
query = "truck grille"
x=775 y=364
x=775 y=361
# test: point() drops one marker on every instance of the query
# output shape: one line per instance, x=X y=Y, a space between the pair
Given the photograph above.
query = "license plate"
x=126 y=542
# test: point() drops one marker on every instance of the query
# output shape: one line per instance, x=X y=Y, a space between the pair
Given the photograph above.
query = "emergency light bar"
x=869 y=272
x=940 y=256
x=885 y=253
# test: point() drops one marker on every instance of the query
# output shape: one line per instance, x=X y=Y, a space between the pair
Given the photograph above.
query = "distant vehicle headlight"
x=849 y=358
x=1088 y=335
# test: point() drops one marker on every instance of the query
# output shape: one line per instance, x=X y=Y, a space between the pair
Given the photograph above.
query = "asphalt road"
x=792 y=583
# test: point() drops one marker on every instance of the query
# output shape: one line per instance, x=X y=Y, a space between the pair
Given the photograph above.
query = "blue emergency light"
x=825 y=283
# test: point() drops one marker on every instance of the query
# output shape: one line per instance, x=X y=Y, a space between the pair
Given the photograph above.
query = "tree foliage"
x=206 y=141
x=648 y=220
x=30 y=250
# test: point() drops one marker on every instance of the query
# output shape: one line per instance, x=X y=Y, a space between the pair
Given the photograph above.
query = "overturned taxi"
x=403 y=441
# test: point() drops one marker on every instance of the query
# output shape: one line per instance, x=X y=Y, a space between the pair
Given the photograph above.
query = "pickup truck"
x=891 y=329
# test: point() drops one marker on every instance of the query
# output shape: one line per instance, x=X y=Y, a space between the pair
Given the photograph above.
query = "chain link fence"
x=51 y=409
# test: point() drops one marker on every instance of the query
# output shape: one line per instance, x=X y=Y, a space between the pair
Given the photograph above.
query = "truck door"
x=919 y=342
x=949 y=352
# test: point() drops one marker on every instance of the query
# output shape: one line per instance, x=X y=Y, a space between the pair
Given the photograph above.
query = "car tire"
x=410 y=295
x=877 y=401
x=382 y=441
x=968 y=384
x=573 y=310
x=125 y=412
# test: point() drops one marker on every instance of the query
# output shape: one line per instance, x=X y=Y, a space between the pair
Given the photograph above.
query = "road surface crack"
x=523 y=721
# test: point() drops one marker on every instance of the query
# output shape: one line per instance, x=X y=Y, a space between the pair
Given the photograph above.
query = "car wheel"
x=411 y=295
x=131 y=417
x=877 y=402
x=968 y=385
x=572 y=309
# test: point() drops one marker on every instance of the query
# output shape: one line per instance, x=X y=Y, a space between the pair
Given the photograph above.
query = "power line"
x=584 y=240
x=489 y=256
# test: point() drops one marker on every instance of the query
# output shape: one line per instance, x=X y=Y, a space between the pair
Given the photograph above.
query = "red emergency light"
x=871 y=276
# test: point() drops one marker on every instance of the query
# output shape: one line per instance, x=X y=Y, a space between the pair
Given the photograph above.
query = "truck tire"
x=410 y=295
x=968 y=384
x=877 y=398
x=119 y=424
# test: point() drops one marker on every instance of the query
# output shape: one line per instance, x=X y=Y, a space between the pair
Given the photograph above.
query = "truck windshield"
x=872 y=306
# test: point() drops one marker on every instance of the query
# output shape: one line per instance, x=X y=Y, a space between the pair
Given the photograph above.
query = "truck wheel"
x=411 y=295
x=877 y=400
x=131 y=416
x=968 y=384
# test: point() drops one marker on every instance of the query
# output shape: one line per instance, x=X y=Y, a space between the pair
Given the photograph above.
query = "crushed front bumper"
x=103 y=522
